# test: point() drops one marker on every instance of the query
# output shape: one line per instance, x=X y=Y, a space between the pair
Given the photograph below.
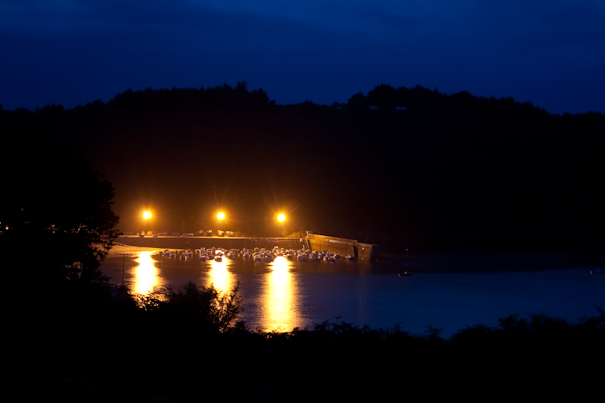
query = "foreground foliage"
x=56 y=219
x=204 y=307
x=181 y=344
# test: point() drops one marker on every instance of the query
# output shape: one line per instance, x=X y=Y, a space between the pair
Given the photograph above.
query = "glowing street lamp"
x=281 y=219
x=221 y=216
x=147 y=217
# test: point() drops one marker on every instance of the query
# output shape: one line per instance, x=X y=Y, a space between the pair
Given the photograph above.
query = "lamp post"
x=220 y=216
x=147 y=215
x=281 y=219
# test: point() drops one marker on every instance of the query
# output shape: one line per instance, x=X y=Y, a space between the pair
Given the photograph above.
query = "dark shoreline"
x=487 y=262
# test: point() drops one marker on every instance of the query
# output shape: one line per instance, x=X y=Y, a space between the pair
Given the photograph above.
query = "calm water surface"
x=284 y=294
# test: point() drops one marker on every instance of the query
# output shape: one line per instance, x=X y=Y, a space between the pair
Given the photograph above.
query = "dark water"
x=284 y=294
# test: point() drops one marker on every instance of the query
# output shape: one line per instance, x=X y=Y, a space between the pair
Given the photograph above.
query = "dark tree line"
x=407 y=167
x=387 y=98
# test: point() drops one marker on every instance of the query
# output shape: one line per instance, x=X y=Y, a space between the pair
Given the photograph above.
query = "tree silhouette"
x=383 y=96
x=55 y=214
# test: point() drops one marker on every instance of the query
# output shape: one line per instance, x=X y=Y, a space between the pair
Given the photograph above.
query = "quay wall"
x=343 y=246
x=195 y=242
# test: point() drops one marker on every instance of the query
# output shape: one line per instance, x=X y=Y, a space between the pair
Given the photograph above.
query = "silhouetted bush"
x=204 y=308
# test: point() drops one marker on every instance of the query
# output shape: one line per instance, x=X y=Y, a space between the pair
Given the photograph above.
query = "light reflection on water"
x=219 y=276
x=146 y=274
x=277 y=302
x=284 y=294
x=278 y=297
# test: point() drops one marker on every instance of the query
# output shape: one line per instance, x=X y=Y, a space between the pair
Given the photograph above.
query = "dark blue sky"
x=69 y=52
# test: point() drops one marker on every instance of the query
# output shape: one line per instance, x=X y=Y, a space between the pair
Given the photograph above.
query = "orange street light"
x=147 y=217
x=281 y=218
x=220 y=216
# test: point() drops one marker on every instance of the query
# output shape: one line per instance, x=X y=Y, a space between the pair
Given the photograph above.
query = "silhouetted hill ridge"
x=413 y=166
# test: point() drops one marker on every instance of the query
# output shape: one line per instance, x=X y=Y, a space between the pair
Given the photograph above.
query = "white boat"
x=314 y=258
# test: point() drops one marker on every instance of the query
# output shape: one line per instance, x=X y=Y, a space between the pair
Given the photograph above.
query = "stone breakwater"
x=196 y=242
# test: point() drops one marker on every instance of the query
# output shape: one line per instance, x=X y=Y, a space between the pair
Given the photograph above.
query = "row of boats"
x=256 y=254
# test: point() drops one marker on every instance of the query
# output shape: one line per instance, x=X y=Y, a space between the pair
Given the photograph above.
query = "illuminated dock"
x=342 y=246
x=195 y=242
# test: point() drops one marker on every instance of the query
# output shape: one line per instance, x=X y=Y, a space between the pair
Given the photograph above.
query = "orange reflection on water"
x=279 y=297
x=146 y=274
x=219 y=276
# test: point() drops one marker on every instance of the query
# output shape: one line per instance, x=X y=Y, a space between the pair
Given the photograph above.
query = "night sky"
x=70 y=52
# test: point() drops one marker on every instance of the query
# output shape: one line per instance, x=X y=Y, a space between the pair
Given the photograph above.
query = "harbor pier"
x=315 y=242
